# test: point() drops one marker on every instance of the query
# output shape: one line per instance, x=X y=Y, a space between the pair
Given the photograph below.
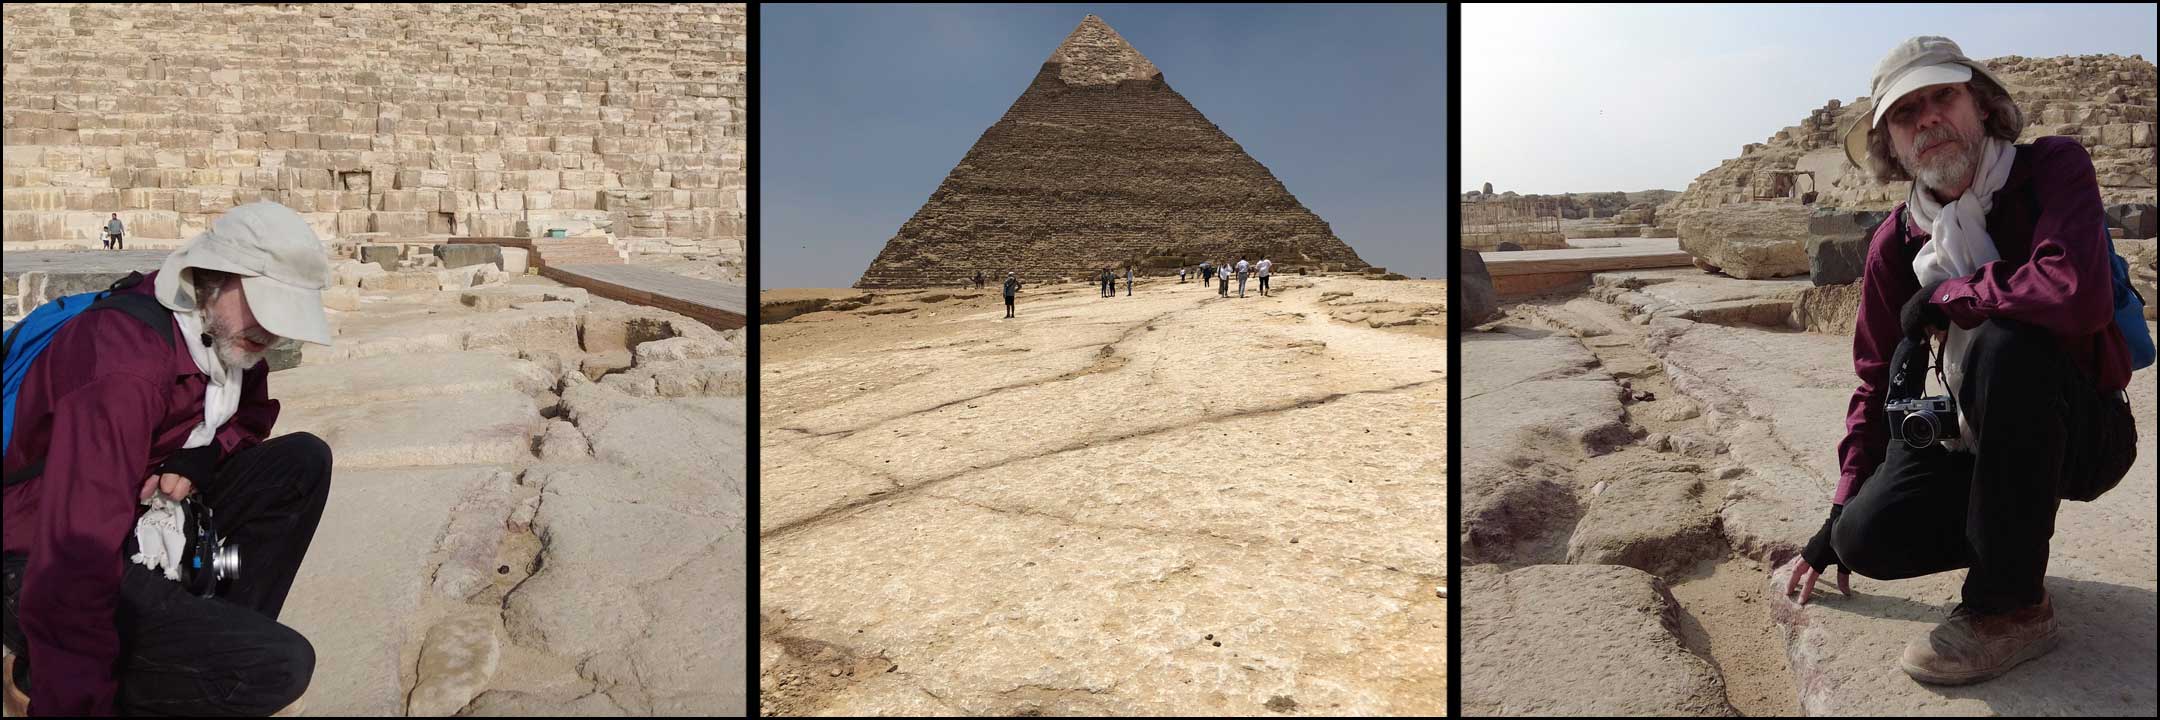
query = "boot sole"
x=2042 y=647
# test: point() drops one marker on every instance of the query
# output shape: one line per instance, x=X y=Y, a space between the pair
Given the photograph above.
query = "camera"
x=207 y=561
x=1917 y=421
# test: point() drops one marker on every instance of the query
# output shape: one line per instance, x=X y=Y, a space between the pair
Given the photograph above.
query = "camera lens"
x=1919 y=429
x=227 y=563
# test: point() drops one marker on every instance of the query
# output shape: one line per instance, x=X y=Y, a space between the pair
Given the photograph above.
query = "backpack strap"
x=141 y=307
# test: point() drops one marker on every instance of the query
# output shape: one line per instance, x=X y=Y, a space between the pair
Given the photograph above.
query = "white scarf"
x=1958 y=245
x=221 y=400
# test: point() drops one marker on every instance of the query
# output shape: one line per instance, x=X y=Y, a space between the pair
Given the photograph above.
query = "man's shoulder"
x=2055 y=151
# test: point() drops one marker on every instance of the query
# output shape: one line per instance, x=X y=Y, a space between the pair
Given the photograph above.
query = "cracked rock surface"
x=1106 y=506
x=1761 y=415
x=506 y=537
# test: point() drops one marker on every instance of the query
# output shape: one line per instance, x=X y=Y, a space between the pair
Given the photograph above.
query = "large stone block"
x=464 y=254
x=1751 y=241
x=385 y=256
x=2138 y=220
x=1481 y=302
x=1837 y=243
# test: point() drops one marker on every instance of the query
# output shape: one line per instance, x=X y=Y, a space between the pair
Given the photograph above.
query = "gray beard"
x=1951 y=171
x=230 y=354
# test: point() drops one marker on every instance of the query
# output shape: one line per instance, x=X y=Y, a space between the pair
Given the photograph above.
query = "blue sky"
x=864 y=109
x=1637 y=97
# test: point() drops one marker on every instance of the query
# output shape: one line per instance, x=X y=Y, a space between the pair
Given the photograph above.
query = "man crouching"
x=2000 y=250
x=119 y=410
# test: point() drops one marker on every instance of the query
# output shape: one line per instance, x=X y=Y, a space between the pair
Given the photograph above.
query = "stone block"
x=1481 y=301
x=515 y=260
x=464 y=254
x=384 y=256
x=2138 y=220
x=1837 y=243
x=414 y=280
x=397 y=224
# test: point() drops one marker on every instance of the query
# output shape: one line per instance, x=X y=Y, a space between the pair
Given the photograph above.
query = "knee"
x=1855 y=547
x=288 y=668
x=310 y=456
x=306 y=447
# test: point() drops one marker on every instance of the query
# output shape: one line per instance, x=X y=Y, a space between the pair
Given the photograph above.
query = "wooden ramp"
x=1529 y=272
x=720 y=305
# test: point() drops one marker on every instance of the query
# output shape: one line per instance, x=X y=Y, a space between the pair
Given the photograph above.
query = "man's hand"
x=1818 y=556
x=173 y=485
x=1804 y=576
x=1920 y=315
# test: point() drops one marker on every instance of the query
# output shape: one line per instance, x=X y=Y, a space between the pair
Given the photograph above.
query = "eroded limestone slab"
x=1588 y=640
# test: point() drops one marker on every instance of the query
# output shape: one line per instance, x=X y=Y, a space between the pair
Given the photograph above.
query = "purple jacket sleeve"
x=2065 y=286
x=258 y=413
x=1885 y=284
x=100 y=445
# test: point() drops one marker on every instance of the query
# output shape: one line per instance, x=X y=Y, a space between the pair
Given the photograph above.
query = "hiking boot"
x=1973 y=646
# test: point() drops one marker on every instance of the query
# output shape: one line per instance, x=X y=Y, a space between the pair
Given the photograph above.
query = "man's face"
x=239 y=342
x=1936 y=133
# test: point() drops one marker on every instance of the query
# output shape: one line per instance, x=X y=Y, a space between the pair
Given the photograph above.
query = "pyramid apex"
x=1094 y=54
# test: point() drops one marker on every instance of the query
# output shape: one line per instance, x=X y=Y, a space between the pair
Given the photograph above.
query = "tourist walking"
x=1242 y=269
x=978 y=279
x=1012 y=288
x=113 y=232
x=1264 y=266
x=1222 y=275
x=1128 y=281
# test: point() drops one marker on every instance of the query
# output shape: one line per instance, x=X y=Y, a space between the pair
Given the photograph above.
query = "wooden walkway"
x=720 y=305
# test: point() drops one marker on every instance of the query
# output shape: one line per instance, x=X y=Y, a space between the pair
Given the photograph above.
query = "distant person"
x=1105 y=282
x=978 y=279
x=1999 y=250
x=1207 y=274
x=1264 y=266
x=1181 y=275
x=1012 y=288
x=1222 y=275
x=1128 y=281
x=1242 y=269
x=114 y=232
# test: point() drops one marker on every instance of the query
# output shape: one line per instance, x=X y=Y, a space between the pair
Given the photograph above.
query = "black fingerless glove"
x=1819 y=554
x=198 y=465
x=1919 y=316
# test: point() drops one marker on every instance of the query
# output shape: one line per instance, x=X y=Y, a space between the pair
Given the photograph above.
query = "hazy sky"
x=864 y=109
x=1633 y=97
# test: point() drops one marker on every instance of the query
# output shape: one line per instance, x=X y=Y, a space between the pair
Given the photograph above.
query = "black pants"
x=118 y=242
x=182 y=654
x=2037 y=423
x=1008 y=306
x=1263 y=284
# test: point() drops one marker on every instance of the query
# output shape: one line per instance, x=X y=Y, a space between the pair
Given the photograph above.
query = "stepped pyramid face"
x=1100 y=163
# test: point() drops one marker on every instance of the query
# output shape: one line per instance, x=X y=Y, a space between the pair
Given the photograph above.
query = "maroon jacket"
x=2054 y=273
x=107 y=401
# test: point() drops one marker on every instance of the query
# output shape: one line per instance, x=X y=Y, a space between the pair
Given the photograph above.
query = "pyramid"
x=1100 y=163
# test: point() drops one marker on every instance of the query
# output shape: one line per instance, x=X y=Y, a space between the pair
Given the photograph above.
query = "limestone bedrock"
x=1107 y=506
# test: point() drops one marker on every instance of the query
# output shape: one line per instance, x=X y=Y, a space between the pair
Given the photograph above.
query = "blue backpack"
x=29 y=338
x=2129 y=308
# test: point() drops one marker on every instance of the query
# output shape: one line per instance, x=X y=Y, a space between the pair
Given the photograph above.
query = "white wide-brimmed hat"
x=282 y=267
x=1916 y=63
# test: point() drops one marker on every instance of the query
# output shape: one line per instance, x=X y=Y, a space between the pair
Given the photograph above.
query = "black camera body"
x=206 y=561
x=1914 y=420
